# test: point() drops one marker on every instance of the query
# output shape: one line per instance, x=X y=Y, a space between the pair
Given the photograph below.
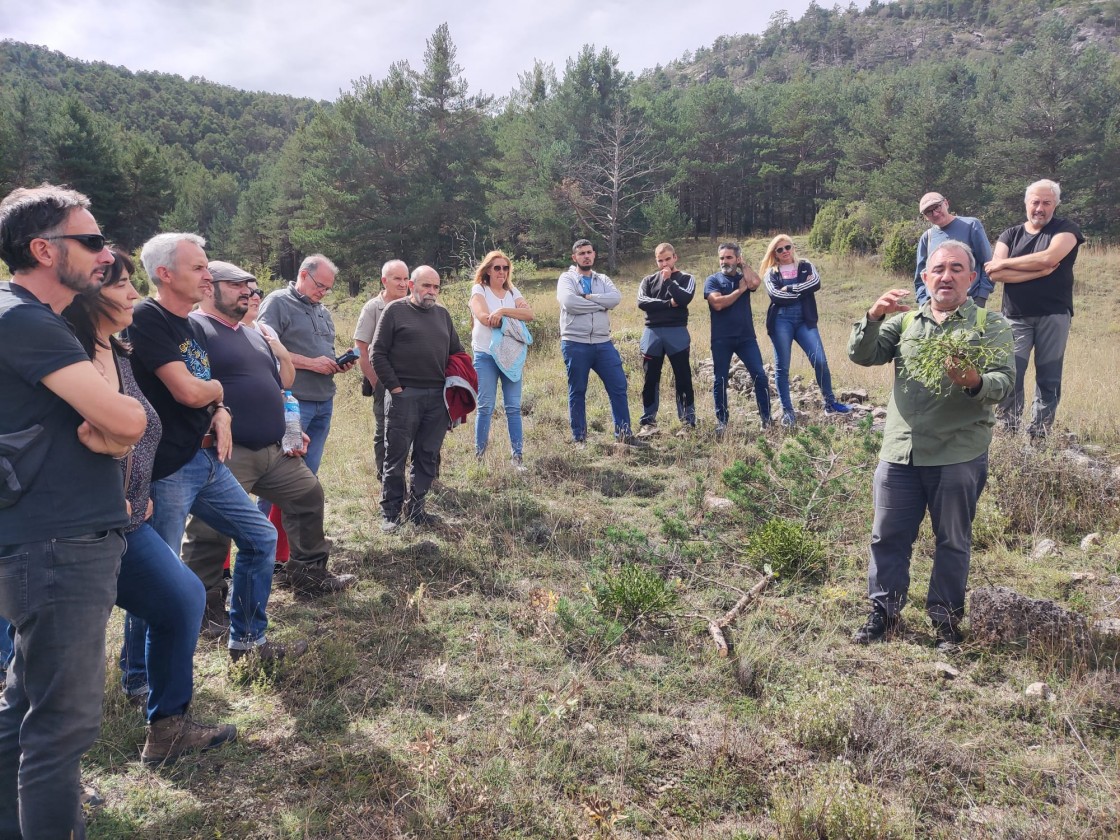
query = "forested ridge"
x=854 y=112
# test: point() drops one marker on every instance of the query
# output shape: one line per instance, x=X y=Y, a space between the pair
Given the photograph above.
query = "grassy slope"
x=445 y=697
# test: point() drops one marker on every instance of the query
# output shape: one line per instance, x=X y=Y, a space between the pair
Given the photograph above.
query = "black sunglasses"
x=92 y=241
x=499 y=268
x=781 y=249
x=256 y=293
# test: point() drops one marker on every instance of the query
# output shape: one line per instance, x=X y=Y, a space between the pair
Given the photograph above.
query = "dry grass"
x=467 y=688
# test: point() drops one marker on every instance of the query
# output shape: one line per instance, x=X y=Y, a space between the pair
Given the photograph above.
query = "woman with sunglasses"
x=494 y=298
x=152 y=585
x=792 y=285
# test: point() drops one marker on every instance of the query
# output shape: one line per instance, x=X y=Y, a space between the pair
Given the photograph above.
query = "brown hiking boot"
x=171 y=737
x=316 y=580
x=270 y=651
x=215 y=619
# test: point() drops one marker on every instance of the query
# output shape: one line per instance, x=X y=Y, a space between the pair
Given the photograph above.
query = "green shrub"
x=790 y=549
x=855 y=234
x=824 y=225
x=900 y=247
x=666 y=222
x=633 y=593
x=834 y=806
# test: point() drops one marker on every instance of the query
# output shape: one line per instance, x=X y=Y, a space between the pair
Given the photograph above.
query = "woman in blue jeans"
x=493 y=299
x=792 y=285
x=153 y=584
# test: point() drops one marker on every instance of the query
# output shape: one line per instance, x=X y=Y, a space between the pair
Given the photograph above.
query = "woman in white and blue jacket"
x=792 y=285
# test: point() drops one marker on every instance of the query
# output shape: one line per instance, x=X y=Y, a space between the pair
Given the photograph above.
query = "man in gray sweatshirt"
x=585 y=298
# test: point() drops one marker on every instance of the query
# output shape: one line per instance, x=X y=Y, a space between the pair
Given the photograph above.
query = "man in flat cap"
x=934 y=208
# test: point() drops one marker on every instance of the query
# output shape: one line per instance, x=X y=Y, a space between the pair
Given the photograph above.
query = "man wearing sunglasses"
x=244 y=362
x=306 y=328
x=934 y=208
x=62 y=429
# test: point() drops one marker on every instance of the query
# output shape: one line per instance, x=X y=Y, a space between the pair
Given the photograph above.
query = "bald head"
x=424 y=286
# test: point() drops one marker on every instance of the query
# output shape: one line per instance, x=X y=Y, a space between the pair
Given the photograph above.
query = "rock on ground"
x=1001 y=616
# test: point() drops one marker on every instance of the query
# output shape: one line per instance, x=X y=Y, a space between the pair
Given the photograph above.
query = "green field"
x=539 y=666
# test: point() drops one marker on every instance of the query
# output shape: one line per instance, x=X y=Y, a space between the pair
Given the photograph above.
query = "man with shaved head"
x=414 y=340
x=394 y=286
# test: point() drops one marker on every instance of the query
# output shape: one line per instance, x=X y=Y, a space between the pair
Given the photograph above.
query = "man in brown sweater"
x=410 y=349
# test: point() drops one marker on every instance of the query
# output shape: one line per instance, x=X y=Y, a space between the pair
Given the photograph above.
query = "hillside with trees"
x=854 y=111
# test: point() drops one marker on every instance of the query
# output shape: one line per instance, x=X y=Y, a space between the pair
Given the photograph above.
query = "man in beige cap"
x=934 y=208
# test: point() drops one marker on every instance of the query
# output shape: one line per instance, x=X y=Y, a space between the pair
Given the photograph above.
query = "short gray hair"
x=960 y=246
x=1045 y=184
x=311 y=263
x=730 y=246
x=385 y=268
x=160 y=252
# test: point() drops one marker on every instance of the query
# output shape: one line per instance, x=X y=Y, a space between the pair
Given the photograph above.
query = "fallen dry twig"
x=715 y=628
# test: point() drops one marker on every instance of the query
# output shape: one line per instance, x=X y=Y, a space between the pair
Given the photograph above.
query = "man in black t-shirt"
x=242 y=360
x=61 y=509
x=1034 y=261
x=172 y=367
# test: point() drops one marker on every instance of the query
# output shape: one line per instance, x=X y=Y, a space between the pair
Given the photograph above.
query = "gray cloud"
x=317 y=48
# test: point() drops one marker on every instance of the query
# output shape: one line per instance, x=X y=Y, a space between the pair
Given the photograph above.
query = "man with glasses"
x=172 y=367
x=934 y=208
x=246 y=365
x=62 y=508
x=306 y=328
x=394 y=286
x=415 y=338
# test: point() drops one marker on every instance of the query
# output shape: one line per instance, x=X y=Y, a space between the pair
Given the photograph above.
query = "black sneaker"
x=878 y=627
x=949 y=636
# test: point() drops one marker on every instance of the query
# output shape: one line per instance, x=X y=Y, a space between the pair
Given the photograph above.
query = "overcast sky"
x=316 y=48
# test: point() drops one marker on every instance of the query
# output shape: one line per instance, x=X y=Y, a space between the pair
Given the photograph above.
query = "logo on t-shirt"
x=195 y=358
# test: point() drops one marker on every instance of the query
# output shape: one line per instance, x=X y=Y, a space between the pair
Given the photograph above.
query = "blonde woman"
x=792 y=285
x=493 y=299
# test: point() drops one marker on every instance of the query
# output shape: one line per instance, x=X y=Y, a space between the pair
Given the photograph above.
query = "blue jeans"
x=206 y=488
x=156 y=588
x=315 y=417
x=789 y=325
x=580 y=359
x=489 y=375
x=58 y=594
x=903 y=494
x=747 y=349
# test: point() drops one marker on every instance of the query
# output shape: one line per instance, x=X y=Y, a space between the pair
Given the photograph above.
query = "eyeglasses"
x=321 y=287
x=256 y=293
x=94 y=242
x=499 y=267
x=933 y=208
x=781 y=249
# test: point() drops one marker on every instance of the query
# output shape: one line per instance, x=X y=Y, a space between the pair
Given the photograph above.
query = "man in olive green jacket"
x=935 y=444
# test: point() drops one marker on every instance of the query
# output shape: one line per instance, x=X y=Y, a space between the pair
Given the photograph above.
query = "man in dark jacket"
x=664 y=296
x=413 y=342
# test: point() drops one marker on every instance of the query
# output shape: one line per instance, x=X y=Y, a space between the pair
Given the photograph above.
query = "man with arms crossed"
x=585 y=298
x=1035 y=262
x=728 y=293
x=664 y=296
x=61 y=509
x=172 y=367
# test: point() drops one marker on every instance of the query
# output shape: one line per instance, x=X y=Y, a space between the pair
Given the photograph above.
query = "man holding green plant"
x=952 y=367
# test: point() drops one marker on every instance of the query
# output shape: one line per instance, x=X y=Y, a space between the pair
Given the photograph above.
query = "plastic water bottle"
x=293 y=429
